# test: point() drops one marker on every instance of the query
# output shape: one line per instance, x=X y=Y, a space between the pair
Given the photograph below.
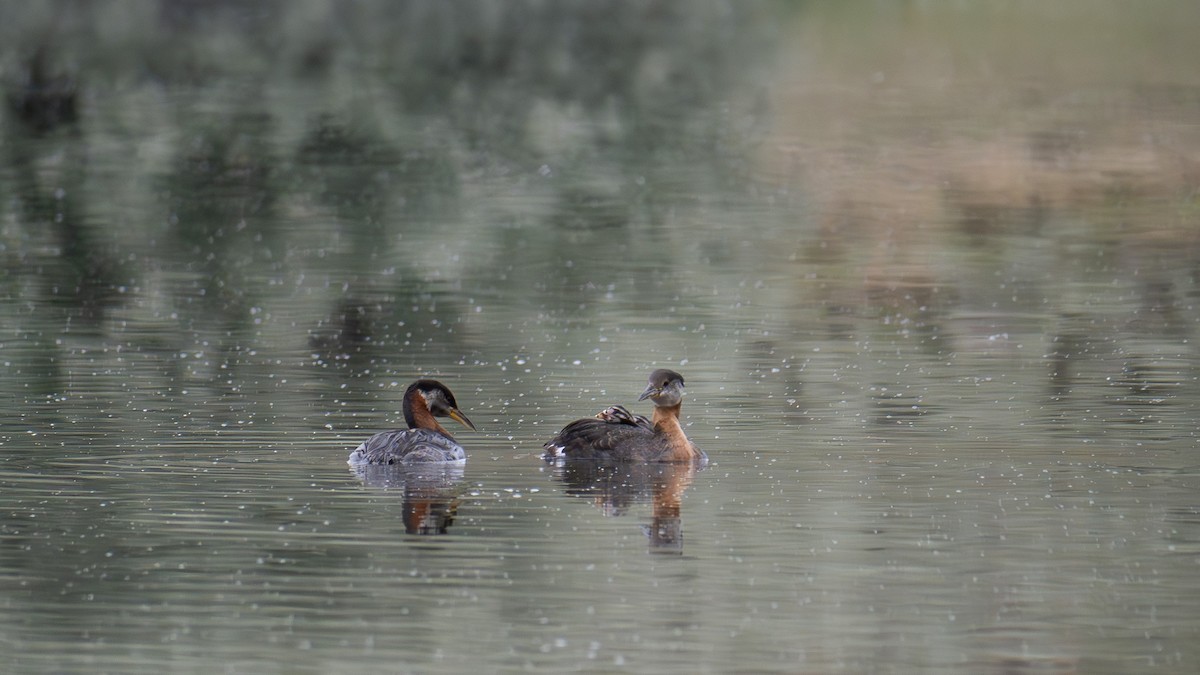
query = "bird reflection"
x=431 y=493
x=616 y=486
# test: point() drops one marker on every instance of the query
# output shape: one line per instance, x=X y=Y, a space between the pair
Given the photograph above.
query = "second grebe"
x=618 y=434
x=424 y=440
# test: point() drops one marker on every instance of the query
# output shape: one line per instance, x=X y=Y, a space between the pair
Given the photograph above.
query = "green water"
x=931 y=276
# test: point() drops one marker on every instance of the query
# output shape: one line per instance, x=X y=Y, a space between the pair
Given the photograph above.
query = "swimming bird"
x=424 y=440
x=617 y=434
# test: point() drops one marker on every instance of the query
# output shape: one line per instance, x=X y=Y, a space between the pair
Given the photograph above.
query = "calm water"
x=940 y=351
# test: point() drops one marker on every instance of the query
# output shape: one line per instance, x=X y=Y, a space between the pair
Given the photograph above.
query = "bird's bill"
x=458 y=416
x=650 y=391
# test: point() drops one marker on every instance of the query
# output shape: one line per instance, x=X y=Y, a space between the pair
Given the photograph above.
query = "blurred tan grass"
x=984 y=117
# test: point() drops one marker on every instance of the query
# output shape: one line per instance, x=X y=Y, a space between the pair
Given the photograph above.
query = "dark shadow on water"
x=616 y=487
x=80 y=272
x=44 y=99
x=358 y=175
x=431 y=494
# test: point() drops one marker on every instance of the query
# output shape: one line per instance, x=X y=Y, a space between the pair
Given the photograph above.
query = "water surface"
x=939 y=346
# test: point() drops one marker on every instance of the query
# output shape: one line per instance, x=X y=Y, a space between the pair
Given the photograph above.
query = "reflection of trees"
x=615 y=487
x=378 y=195
x=402 y=105
x=222 y=195
x=43 y=101
x=431 y=494
x=61 y=266
x=360 y=183
x=368 y=184
x=1129 y=350
x=49 y=173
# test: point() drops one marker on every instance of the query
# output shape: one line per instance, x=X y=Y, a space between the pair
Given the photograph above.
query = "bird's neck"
x=666 y=422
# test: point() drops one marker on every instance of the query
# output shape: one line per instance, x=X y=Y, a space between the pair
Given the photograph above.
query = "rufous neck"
x=666 y=421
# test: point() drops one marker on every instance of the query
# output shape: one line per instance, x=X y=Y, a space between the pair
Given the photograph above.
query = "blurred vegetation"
x=343 y=180
x=354 y=181
x=374 y=113
x=989 y=117
x=937 y=149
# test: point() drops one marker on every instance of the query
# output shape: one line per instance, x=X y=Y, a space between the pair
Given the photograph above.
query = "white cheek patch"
x=433 y=400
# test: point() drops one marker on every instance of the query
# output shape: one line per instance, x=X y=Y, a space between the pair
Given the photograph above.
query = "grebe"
x=424 y=440
x=620 y=435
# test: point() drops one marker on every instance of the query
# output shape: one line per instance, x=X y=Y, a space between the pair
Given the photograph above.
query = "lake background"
x=930 y=271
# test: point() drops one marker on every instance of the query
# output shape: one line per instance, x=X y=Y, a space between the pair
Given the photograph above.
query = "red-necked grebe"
x=424 y=440
x=618 y=434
